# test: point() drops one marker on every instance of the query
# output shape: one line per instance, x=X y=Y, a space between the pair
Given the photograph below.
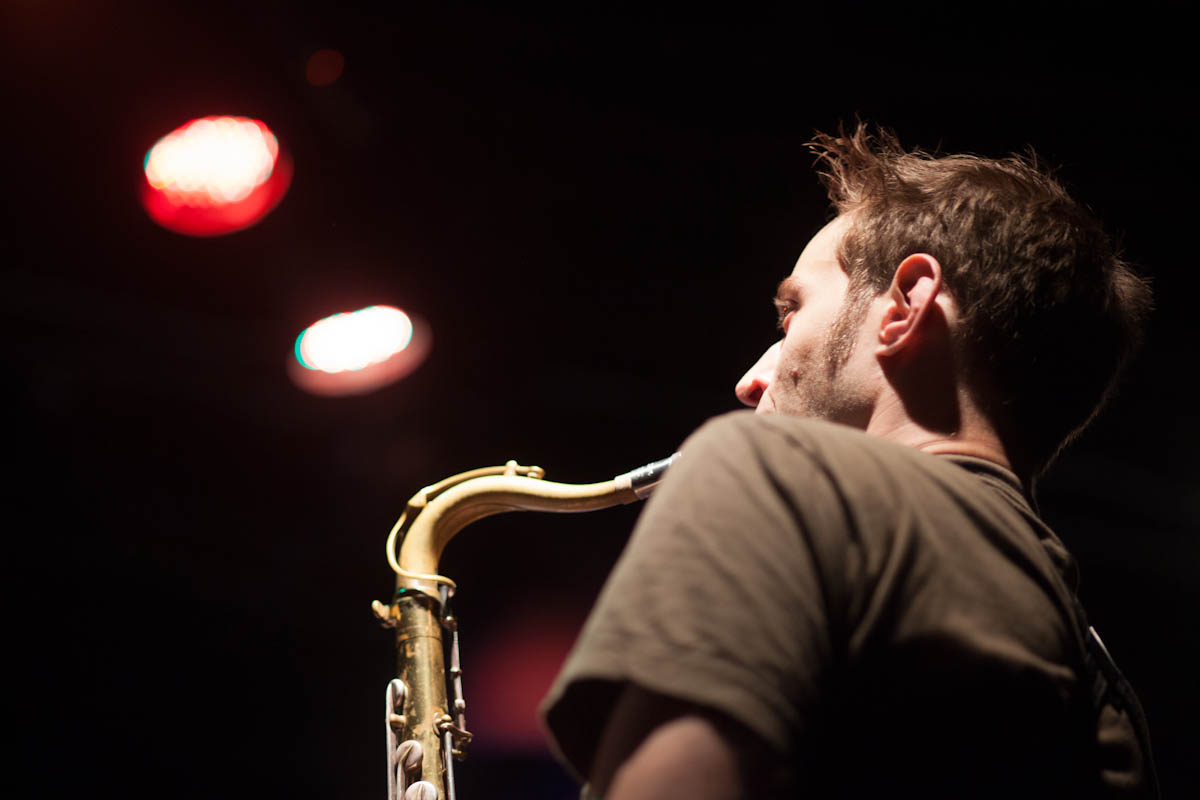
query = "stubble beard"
x=827 y=395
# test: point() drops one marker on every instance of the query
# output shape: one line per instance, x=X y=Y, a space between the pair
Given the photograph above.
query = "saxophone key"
x=384 y=613
x=421 y=790
x=410 y=756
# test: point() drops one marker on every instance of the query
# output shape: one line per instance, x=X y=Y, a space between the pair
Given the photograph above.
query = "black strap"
x=1110 y=687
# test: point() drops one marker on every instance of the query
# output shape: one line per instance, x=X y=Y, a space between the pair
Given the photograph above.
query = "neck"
x=959 y=430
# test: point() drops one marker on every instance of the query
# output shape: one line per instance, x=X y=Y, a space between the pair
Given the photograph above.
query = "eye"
x=784 y=310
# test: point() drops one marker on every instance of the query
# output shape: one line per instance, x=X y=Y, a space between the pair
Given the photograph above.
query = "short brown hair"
x=1050 y=313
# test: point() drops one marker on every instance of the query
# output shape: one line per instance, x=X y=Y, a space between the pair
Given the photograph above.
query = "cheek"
x=796 y=353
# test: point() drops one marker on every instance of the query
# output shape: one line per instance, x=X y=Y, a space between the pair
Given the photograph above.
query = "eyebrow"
x=788 y=287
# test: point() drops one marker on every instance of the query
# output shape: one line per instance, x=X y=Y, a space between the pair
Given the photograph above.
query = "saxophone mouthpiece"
x=644 y=480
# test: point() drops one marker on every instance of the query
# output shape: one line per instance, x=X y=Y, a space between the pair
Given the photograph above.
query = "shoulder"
x=885 y=523
x=815 y=438
x=750 y=465
x=748 y=425
x=744 y=432
x=789 y=448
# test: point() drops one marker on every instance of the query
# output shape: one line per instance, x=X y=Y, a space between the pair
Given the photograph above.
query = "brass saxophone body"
x=426 y=730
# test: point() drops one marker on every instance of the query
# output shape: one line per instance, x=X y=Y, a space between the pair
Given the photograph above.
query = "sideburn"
x=839 y=342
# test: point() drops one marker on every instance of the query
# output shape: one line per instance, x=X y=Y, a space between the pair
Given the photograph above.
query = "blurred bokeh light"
x=521 y=656
x=324 y=67
x=358 y=351
x=214 y=175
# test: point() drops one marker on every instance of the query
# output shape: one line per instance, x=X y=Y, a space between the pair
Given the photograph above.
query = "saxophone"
x=426 y=732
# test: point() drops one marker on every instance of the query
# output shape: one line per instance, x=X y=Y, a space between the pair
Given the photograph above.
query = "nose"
x=754 y=384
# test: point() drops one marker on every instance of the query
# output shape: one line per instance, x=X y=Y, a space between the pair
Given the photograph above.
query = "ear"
x=914 y=290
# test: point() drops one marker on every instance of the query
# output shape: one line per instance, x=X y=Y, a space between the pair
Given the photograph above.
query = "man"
x=853 y=597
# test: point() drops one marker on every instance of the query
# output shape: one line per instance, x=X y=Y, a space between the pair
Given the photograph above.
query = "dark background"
x=591 y=212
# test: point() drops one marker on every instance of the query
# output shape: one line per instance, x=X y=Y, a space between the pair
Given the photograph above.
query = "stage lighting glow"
x=214 y=175
x=354 y=340
x=358 y=351
x=212 y=161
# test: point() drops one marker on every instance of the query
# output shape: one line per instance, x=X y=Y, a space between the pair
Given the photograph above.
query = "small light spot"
x=324 y=67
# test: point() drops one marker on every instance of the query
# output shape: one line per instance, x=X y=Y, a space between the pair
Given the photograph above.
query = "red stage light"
x=215 y=175
x=357 y=352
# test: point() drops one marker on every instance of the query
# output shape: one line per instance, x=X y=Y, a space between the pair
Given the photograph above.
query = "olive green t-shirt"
x=884 y=620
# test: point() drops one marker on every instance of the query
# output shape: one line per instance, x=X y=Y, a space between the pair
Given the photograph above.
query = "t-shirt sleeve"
x=722 y=598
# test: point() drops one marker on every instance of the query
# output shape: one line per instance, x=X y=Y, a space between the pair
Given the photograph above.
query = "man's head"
x=1045 y=311
x=806 y=373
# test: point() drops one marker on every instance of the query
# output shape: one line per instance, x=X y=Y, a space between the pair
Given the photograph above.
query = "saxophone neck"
x=438 y=512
